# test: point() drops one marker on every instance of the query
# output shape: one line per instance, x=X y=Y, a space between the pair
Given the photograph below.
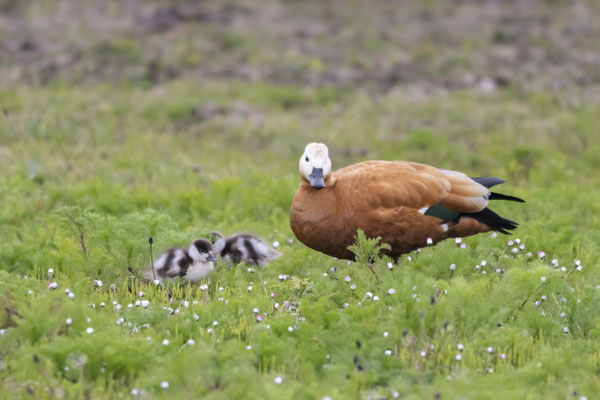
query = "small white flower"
x=191 y=342
x=215 y=323
x=135 y=392
x=250 y=270
x=483 y=263
x=387 y=353
x=458 y=357
x=278 y=380
x=543 y=279
x=563 y=269
x=452 y=267
x=347 y=279
x=409 y=258
x=164 y=384
x=522 y=246
x=165 y=342
x=458 y=240
x=429 y=242
x=221 y=288
x=543 y=297
x=577 y=262
x=156 y=282
x=346 y=305
x=375 y=298
x=138 y=303
x=255 y=310
x=503 y=356
x=514 y=250
x=248 y=347
x=250 y=288
x=391 y=291
x=103 y=304
x=390 y=265
x=71 y=295
x=282 y=277
x=68 y=321
x=517 y=240
x=145 y=303
x=98 y=283
x=562 y=314
x=51 y=271
x=477 y=267
x=290 y=329
x=566 y=329
x=204 y=288
x=386 y=334
x=494 y=235
x=89 y=330
x=460 y=346
x=490 y=349
x=53 y=286
x=369 y=295
x=324 y=274
x=510 y=243
x=396 y=395
x=209 y=331
x=555 y=262
x=579 y=268
x=353 y=286
x=541 y=254
x=129 y=305
x=537 y=303
x=423 y=353
x=276 y=244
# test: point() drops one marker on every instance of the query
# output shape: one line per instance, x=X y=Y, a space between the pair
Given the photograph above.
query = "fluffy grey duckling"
x=192 y=264
x=243 y=247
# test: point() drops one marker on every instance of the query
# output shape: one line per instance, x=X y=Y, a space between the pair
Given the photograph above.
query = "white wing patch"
x=450 y=172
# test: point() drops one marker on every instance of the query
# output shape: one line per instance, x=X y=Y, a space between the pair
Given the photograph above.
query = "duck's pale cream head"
x=315 y=164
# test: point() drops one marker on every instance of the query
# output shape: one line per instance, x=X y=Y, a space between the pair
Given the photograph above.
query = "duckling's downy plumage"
x=404 y=203
x=244 y=247
x=193 y=264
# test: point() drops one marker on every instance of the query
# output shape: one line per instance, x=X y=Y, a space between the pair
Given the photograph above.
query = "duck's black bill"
x=316 y=178
x=211 y=258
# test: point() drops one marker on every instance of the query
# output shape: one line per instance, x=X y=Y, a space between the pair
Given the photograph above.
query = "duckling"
x=244 y=247
x=407 y=204
x=192 y=264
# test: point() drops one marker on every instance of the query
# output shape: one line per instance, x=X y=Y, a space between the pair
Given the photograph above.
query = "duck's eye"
x=306 y=158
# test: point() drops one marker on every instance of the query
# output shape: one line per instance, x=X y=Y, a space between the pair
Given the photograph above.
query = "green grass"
x=173 y=119
x=120 y=164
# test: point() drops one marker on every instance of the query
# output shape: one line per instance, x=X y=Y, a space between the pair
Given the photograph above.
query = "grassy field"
x=172 y=120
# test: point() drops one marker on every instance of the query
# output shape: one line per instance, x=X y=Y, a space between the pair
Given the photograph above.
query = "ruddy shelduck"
x=407 y=204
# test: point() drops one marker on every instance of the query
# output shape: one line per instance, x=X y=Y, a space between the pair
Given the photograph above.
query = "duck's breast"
x=318 y=219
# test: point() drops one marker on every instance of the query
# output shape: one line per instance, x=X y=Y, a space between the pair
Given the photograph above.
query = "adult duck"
x=409 y=205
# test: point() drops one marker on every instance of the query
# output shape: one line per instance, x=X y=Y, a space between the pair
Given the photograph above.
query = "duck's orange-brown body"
x=386 y=199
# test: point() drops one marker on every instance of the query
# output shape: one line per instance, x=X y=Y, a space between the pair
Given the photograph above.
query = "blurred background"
x=420 y=47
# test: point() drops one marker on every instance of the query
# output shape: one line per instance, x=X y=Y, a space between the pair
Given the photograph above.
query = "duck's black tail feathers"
x=488 y=182
x=492 y=219
x=500 y=196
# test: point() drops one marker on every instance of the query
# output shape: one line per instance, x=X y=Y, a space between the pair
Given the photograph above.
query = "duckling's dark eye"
x=306 y=159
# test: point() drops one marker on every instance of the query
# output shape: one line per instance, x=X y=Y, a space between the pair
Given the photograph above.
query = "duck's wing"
x=393 y=184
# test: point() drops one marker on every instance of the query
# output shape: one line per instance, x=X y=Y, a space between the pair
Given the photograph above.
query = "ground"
x=128 y=120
